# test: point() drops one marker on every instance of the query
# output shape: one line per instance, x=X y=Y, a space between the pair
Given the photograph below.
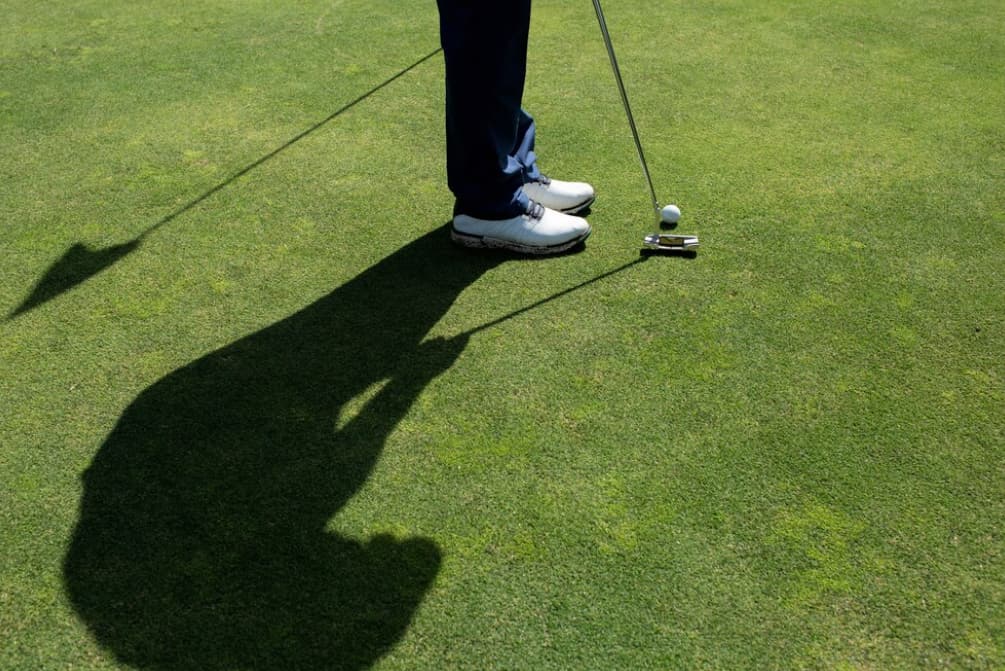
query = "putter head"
x=671 y=243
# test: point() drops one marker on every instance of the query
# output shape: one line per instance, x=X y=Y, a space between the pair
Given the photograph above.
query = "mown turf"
x=258 y=413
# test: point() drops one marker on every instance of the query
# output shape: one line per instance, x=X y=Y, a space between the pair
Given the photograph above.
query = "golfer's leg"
x=485 y=51
x=569 y=197
x=523 y=152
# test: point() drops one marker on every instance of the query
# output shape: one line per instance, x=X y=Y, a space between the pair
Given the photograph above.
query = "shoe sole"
x=576 y=209
x=486 y=242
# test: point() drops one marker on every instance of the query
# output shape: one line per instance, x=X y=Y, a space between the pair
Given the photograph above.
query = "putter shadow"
x=688 y=254
x=79 y=264
x=203 y=540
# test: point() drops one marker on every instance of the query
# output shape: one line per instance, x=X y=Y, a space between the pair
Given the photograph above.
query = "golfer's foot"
x=568 y=197
x=539 y=231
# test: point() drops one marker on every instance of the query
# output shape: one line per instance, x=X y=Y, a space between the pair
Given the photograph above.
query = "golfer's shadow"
x=202 y=540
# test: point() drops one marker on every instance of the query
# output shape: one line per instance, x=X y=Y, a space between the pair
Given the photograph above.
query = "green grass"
x=250 y=418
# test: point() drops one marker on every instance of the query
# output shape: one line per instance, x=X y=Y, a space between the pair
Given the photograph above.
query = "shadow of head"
x=202 y=539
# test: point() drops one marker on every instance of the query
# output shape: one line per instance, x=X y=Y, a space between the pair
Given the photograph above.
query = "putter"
x=670 y=242
x=655 y=241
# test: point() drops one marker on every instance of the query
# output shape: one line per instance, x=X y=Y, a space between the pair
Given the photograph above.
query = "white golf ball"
x=670 y=214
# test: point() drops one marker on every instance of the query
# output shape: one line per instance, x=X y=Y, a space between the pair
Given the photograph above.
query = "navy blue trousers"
x=490 y=138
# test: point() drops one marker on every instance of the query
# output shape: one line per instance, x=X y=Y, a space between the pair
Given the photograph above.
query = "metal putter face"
x=669 y=242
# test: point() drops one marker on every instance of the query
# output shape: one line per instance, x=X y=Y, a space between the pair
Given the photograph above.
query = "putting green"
x=258 y=412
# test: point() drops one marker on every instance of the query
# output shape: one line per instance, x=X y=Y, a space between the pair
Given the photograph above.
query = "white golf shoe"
x=568 y=197
x=539 y=231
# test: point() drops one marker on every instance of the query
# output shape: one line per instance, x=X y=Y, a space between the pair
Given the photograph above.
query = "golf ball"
x=670 y=214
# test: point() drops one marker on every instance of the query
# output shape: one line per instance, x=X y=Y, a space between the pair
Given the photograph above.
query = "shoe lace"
x=544 y=180
x=535 y=210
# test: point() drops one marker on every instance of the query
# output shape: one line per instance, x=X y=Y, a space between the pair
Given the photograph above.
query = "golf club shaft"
x=624 y=99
